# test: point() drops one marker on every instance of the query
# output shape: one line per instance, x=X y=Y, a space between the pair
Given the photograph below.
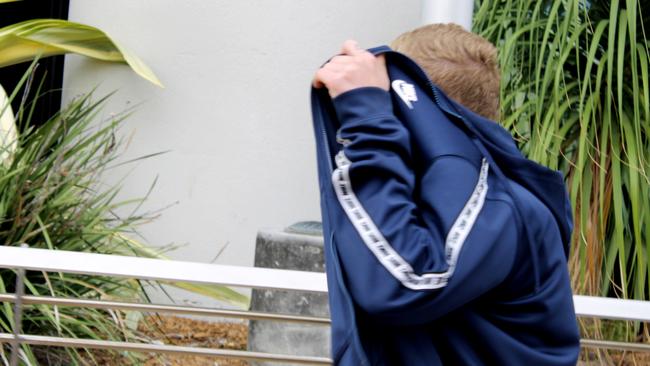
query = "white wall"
x=234 y=112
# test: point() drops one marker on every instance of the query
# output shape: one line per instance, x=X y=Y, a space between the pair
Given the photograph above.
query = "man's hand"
x=354 y=68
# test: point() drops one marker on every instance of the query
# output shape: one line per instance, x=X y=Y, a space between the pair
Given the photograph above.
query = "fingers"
x=317 y=82
x=354 y=67
x=351 y=47
x=339 y=60
x=334 y=64
x=323 y=76
x=326 y=72
x=382 y=60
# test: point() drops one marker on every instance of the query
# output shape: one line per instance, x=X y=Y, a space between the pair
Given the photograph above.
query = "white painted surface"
x=235 y=111
x=448 y=11
x=159 y=269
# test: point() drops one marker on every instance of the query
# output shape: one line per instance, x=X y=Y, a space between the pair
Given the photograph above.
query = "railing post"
x=299 y=248
x=18 y=314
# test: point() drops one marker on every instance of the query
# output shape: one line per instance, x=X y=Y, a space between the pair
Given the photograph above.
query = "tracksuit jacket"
x=444 y=245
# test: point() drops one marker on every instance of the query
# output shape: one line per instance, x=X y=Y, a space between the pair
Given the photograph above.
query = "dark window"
x=50 y=69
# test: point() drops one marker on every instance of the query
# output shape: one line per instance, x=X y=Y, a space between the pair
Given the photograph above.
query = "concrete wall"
x=234 y=113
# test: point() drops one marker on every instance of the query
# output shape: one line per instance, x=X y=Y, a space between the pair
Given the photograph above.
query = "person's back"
x=501 y=293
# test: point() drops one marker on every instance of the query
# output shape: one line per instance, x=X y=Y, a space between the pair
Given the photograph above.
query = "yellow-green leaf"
x=48 y=37
x=218 y=292
x=222 y=293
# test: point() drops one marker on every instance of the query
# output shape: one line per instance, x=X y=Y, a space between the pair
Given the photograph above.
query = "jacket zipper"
x=326 y=146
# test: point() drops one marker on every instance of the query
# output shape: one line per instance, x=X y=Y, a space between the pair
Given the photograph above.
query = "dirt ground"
x=189 y=332
x=183 y=332
x=590 y=357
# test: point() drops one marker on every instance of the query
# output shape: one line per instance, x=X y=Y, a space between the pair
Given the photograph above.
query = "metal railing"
x=24 y=259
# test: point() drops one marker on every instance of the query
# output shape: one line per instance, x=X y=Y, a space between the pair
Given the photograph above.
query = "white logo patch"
x=405 y=91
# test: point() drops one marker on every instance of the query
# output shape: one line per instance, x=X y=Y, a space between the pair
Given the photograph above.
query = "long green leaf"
x=576 y=94
x=222 y=293
x=47 y=37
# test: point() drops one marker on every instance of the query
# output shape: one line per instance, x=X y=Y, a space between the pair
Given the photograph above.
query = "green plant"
x=37 y=38
x=575 y=92
x=50 y=198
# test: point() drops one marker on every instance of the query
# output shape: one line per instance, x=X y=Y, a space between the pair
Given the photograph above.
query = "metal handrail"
x=159 y=269
x=609 y=308
x=162 y=308
x=45 y=260
x=162 y=348
x=623 y=346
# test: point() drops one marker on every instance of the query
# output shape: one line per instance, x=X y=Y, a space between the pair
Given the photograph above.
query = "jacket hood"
x=546 y=184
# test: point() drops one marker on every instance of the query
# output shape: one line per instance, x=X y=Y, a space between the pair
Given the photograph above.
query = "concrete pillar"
x=299 y=247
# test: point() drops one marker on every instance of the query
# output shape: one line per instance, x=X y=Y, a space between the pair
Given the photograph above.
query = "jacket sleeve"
x=403 y=267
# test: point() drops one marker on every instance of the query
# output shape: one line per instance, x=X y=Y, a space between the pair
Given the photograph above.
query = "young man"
x=443 y=244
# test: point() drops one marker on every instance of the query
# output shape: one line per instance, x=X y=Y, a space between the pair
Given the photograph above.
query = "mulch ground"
x=589 y=357
x=188 y=332
x=179 y=331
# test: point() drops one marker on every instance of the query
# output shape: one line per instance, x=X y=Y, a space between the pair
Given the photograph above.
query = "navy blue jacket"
x=444 y=245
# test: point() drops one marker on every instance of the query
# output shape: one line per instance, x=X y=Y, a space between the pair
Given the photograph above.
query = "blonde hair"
x=463 y=64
